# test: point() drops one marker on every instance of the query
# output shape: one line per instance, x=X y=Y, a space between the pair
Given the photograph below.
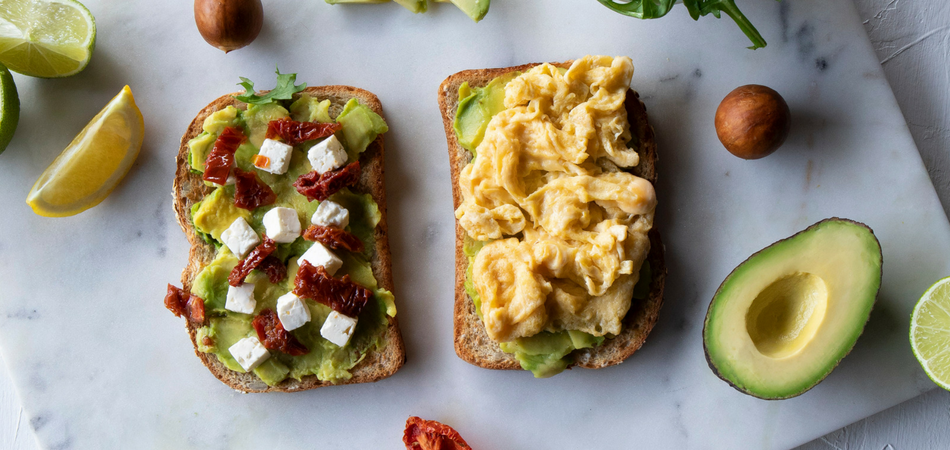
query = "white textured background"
x=912 y=40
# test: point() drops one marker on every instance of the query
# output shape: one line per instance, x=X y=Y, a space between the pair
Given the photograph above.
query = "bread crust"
x=189 y=188
x=472 y=343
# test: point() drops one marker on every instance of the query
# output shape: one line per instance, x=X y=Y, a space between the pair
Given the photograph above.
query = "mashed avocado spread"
x=215 y=213
x=556 y=230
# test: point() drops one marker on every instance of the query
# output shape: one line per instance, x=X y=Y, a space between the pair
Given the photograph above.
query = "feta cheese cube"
x=240 y=237
x=278 y=154
x=241 y=299
x=292 y=311
x=331 y=214
x=318 y=255
x=338 y=328
x=249 y=353
x=282 y=225
x=327 y=155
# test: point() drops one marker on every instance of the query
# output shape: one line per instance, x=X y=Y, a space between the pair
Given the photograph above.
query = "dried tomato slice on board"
x=334 y=238
x=221 y=159
x=342 y=295
x=293 y=132
x=184 y=303
x=252 y=261
x=273 y=335
x=250 y=192
x=424 y=434
x=319 y=187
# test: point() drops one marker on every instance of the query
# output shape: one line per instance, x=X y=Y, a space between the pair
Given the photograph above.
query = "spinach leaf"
x=654 y=9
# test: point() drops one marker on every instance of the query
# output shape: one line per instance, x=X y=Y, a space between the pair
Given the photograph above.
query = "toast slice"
x=189 y=189
x=472 y=343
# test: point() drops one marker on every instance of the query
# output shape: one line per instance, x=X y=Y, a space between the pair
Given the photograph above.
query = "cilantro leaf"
x=284 y=91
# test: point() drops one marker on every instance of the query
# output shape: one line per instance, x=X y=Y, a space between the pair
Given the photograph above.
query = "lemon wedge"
x=94 y=163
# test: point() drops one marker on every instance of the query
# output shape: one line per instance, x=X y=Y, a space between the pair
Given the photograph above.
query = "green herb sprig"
x=284 y=90
x=654 y=9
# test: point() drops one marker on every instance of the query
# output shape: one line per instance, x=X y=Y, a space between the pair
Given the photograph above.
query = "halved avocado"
x=784 y=318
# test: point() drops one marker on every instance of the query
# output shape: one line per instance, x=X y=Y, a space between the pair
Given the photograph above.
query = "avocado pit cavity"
x=785 y=316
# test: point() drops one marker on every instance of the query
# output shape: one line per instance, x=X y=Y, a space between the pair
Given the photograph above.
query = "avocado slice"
x=416 y=6
x=784 y=318
x=476 y=9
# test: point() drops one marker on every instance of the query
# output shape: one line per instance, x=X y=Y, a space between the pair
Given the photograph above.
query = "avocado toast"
x=472 y=341
x=376 y=349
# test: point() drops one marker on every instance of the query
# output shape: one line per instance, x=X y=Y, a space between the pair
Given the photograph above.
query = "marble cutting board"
x=99 y=362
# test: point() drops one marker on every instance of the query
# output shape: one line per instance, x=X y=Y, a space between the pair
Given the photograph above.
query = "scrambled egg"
x=568 y=229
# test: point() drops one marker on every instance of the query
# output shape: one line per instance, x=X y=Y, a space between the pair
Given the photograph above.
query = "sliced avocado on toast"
x=204 y=210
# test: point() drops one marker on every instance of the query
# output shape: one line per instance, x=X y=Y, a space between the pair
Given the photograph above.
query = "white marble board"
x=99 y=362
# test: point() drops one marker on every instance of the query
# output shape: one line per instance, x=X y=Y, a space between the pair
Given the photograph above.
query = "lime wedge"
x=46 y=38
x=930 y=332
x=9 y=107
x=94 y=162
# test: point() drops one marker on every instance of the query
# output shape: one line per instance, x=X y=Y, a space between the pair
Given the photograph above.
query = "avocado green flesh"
x=784 y=318
x=476 y=108
x=547 y=354
x=476 y=9
x=416 y=6
x=257 y=118
x=309 y=109
x=216 y=212
x=360 y=127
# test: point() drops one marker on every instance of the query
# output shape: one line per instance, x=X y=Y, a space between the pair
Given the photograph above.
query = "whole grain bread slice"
x=188 y=189
x=472 y=343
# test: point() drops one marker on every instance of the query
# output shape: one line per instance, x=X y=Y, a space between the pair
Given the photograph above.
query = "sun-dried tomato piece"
x=334 y=238
x=424 y=434
x=181 y=303
x=250 y=192
x=293 y=132
x=221 y=159
x=342 y=295
x=175 y=300
x=252 y=261
x=321 y=186
x=275 y=269
x=273 y=335
x=196 y=309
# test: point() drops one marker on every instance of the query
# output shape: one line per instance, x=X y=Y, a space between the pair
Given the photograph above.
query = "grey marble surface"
x=39 y=422
x=912 y=41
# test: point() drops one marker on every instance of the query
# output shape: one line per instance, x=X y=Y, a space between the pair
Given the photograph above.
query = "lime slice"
x=46 y=38
x=9 y=107
x=930 y=332
x=94 y=162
